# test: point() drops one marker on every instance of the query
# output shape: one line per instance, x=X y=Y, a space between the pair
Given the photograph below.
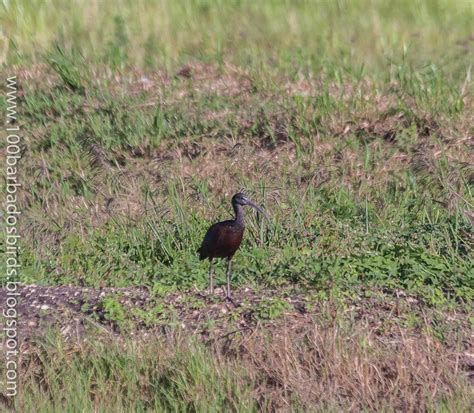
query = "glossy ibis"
x=223 y=239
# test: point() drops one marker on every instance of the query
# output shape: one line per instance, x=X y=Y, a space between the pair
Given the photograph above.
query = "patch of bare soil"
x=353 y=352
x=387 y=318
x=73 y=308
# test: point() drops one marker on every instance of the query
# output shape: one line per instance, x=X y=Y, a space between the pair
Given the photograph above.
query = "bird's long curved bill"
x=250 y=203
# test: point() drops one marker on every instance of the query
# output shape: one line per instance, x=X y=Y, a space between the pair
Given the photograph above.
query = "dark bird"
x=223 y=239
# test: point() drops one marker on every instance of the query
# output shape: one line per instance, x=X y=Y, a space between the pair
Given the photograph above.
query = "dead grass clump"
x=354 y=370
x=331 y=365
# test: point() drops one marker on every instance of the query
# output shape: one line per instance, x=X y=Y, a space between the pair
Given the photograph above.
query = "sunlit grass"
x=349 y=121
x=294 y=37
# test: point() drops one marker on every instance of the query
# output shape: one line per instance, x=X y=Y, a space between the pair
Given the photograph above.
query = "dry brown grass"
x=341 y=360
x=384 y=352
x=354 y=370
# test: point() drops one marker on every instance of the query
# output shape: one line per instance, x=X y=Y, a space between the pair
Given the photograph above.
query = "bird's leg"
x=211 y=284
x=229 y=273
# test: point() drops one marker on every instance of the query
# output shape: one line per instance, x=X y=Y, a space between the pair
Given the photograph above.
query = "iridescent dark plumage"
x=223 y=239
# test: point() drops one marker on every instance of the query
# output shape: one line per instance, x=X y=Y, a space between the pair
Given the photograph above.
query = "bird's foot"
x=229 y=298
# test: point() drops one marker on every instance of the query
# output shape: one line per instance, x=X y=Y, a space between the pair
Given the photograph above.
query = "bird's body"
x=223 y=239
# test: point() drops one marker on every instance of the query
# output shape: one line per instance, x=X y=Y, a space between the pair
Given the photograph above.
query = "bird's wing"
x=214 y=236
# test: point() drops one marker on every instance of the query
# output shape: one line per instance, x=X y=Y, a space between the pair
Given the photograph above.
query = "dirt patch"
x=352 y=353
x=72 y=308
x=135 y=311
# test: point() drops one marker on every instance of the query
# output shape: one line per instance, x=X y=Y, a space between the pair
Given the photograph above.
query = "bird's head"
x=241 y=199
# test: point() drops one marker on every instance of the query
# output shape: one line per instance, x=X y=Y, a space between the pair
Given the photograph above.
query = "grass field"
x=351 y=122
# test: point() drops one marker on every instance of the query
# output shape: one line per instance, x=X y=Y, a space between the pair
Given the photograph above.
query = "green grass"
x=332 y=36
x=257 y=372
x=350 y=121
x=344 y=207
x=130 y=377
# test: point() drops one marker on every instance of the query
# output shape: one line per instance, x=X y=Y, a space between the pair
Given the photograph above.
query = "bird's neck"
x=239 y=214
